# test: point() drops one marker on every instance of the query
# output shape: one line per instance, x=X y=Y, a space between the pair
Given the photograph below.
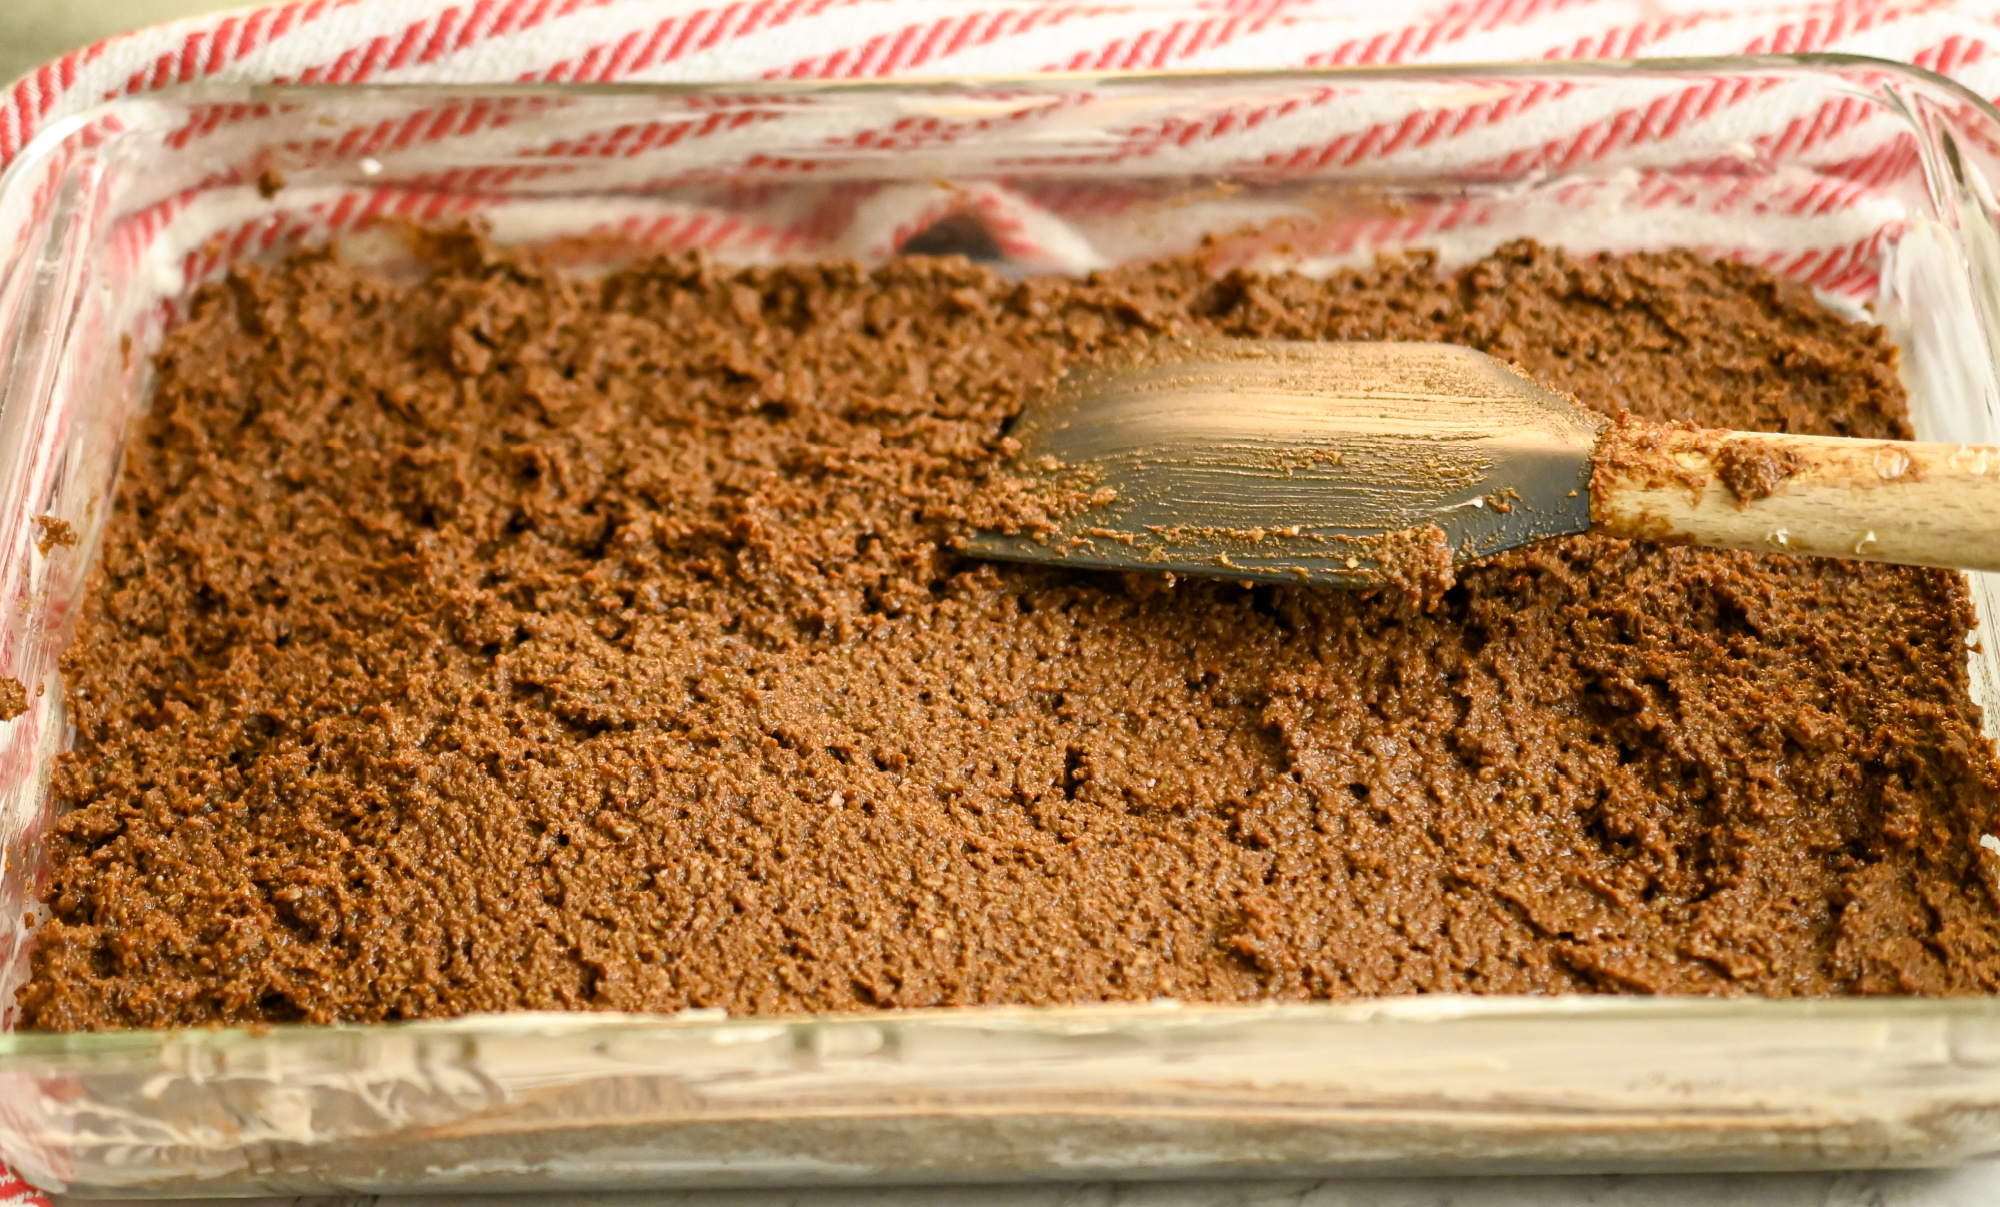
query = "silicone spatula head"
x=1333 y=463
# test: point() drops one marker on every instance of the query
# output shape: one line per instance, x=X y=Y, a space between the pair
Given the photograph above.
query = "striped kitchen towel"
x=403 y=41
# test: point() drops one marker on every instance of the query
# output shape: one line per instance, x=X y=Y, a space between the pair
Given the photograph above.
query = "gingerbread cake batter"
x=524 y=641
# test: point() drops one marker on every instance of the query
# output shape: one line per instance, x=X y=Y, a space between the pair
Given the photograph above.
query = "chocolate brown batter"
x=520 y=641
x=1416 y=560
x=1754 y=469
x=55 y=534
x=13 y=698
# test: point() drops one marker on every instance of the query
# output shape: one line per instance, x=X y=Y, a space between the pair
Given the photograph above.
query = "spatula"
x=1355 y=464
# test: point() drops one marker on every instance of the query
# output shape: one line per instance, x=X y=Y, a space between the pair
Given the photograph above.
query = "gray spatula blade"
x=1292 y=461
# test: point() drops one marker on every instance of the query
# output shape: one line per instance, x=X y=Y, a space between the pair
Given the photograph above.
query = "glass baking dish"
x=1866 y=179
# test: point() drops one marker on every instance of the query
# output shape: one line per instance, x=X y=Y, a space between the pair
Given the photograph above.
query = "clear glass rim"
x=1410 y=1010
x=1069 y=80
x=211 y=91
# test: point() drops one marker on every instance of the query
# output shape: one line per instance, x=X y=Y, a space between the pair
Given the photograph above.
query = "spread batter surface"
x=519 y=640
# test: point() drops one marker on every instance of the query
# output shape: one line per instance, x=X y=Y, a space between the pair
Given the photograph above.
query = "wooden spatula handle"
x=1877 y=500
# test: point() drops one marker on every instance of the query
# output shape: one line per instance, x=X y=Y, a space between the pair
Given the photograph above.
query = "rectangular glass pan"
x=1869 y=180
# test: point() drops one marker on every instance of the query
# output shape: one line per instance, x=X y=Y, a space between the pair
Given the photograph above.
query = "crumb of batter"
x=1414 y=561
x=519 y=640
x=55 y=532
x=13 y=698
x=1753 y=469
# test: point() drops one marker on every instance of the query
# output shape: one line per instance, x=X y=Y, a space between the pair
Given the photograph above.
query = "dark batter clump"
x=521 y=640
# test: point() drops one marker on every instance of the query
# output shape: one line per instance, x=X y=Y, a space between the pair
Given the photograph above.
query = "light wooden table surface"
x=1975 y=1186
x=35 y=31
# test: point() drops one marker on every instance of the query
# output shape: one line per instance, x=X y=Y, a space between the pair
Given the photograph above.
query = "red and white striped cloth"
x=405 y=41
x=16 y=1193
x=402 y=41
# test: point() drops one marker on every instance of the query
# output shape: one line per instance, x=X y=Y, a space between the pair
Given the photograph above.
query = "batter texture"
x=519 y=640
